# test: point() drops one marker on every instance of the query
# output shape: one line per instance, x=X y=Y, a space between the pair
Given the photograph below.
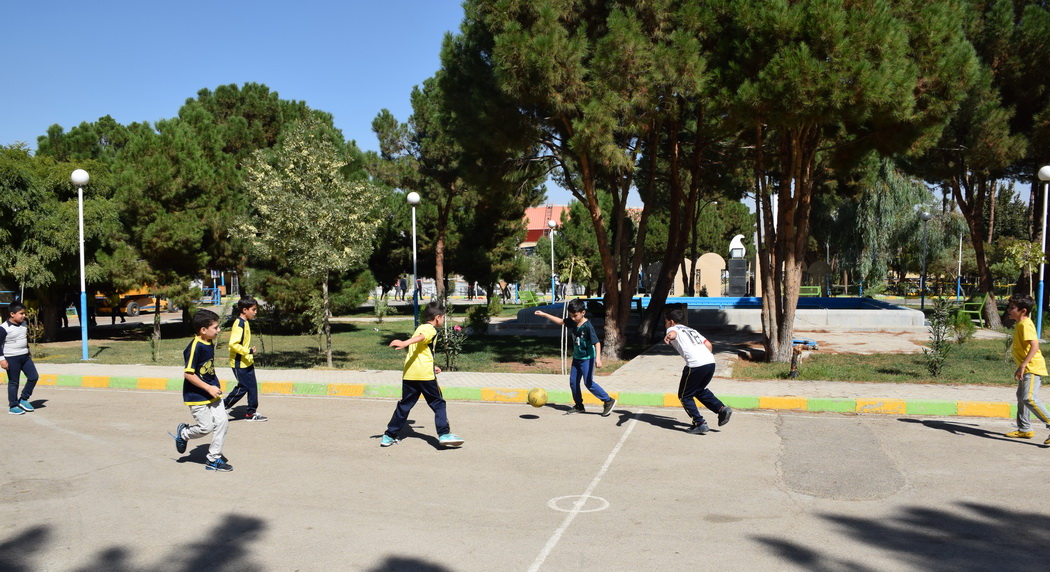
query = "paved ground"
x=92 y=481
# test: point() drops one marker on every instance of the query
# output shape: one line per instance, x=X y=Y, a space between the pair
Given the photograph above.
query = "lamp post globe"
x=413 y=199
x=80 y=177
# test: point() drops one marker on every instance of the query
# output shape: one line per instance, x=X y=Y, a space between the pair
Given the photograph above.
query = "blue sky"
x=70 y=62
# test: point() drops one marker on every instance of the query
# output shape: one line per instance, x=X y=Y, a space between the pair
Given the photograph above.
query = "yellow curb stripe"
x=152 y=383
x=500 y=395
x=984 y=409
x=886 y=406
x=282 y=387
x=47 y=379
x=346 y=389
x=782 y=403
x=94 y=381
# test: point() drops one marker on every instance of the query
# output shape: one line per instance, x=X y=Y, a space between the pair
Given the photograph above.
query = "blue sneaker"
x=25 y=405
x=450 y=439
x=219 y=465
x=16 y=410
x=180 y=442
x=387 y=441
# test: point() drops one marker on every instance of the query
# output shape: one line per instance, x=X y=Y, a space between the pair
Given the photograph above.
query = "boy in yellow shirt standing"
x=1030 y=367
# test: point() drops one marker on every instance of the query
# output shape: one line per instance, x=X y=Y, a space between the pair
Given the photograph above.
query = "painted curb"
x=880 y=406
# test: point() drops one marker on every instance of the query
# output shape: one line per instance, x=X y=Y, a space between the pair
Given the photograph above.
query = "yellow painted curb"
x=508 y=395
x=984 y=409
x=94 y=381
x=346 y=389
x=276 y=387
x=671 y=400
x=160 y=383
x=888 y=406
x=48 y=379
x=782 y=403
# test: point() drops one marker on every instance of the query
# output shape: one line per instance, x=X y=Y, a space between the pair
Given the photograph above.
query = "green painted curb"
x=462 y=393
x=309 y=389
x=559 y=397
x=931 y=407
x=831 y=404
x=175 y=384
x=740 y=401
x=383 y=391
x=68 y=381
x=646 y=399
x=124 y=382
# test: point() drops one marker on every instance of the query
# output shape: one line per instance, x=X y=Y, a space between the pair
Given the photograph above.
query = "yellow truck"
x=131 y=302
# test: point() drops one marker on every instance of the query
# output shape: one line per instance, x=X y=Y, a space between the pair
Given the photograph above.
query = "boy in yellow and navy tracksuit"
x=242 y=360
x=1031 y=367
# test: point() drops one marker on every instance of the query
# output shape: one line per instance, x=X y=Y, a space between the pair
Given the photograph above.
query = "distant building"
x=536 y=224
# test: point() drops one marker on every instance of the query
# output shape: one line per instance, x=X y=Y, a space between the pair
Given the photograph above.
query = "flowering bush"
x=450 y=340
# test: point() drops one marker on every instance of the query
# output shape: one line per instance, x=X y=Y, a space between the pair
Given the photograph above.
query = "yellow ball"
x=537 y=397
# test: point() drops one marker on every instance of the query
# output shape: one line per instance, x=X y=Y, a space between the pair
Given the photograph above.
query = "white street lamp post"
x=922 y=283
x=413 y=199
x=1044 y=176
x=552 y=225
x=80 y=178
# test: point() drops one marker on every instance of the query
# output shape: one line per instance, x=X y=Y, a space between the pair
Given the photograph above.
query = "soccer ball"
x=537 y=397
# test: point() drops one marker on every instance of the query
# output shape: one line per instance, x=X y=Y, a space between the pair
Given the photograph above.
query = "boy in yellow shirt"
x=1030 y=367
x=420 y=378
x=242 y=360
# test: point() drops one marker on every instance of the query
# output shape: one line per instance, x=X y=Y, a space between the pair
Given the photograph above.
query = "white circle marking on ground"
x=578 y=503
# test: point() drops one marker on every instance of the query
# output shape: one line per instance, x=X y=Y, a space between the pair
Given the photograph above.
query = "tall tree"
x=308 y=212
x=818 y=85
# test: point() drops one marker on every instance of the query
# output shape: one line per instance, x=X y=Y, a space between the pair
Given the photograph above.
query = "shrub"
x=478 y=319
x=964 y=328
x=940 y=346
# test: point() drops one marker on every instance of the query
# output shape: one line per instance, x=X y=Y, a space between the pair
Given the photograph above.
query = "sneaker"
x=25 y=405
x=700 y=429
x=450 y=439
x=16 y=410
x=387 y=441
x=218 y=465
x=180 y=441
x=575 y=409
x=255 y=417
x=1021 y=434
x=724 y=415
x=1047 y=442
x=607 y=407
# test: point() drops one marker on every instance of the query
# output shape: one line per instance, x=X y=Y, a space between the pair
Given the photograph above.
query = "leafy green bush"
x=964 y=327
x=940 y=346
x=478 y=319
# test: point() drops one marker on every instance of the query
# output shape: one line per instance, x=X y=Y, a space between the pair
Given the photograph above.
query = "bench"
x=973 y=309
x=809 y=291
x=528 y=298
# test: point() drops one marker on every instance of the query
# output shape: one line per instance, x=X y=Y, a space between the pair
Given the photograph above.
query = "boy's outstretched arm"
x=402 y=344
x=550 y=317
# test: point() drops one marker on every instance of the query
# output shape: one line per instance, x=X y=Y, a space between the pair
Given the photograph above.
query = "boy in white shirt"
x=698 y=371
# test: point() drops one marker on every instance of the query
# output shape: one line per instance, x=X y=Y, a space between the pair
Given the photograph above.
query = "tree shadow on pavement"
x=966 y=536
x=225 y=547
x=957 y=428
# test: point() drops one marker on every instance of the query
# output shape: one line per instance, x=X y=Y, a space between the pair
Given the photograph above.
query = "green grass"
x=982 y=362
x=354 y=346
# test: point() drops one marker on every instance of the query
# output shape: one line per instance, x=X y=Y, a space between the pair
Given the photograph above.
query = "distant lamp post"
x=413 y=199
x=80 y=178
x=552 y=226
x=922 y=283
x=1044 y=176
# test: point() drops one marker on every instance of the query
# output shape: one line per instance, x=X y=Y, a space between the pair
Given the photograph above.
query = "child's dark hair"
x=433 y=310
x=16 y=307
x=1022 y=302
x=675 y=315
x=244 y=303
x=203 y=319
x=576 y=305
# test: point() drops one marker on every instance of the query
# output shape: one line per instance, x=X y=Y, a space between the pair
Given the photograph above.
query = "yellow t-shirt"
x=419 y=361
x=1024 y=334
